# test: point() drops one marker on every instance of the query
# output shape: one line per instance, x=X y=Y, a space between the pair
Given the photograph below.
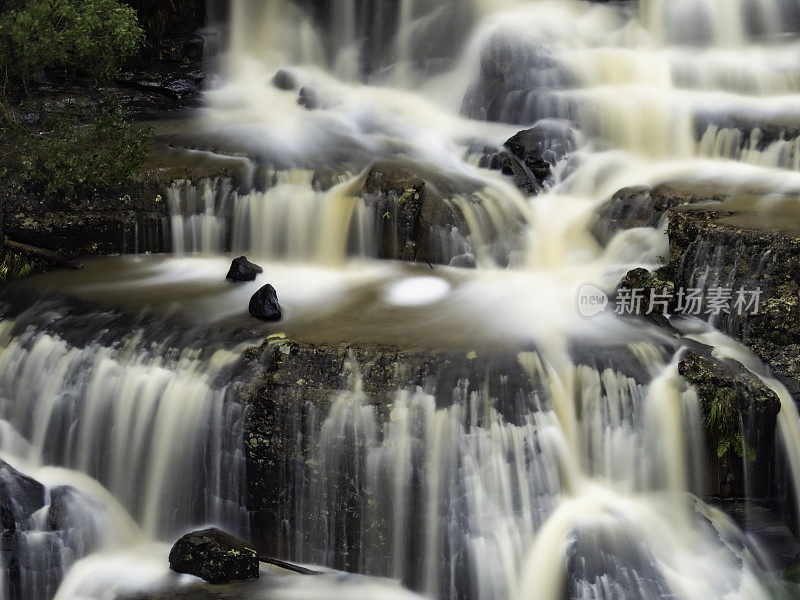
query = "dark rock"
x=527 y=175
x=739 y=412
x=417 y=221
x=243 y=270
x=628 y=208
x=463 y=261
x=716 y=377
x=264 y=304
x=527 y=157
x=173 y=71
x=397 y=197
x=742 y=244
x=308 y=98
x=284 y=80
x=646 y=286
x=129 y=218
x=179 y=84
x=20 y=496
x=299 y=382
x=773 y=536
x=641 y=206
x=516 y=82
x=612 y=553
x=548 y=140
x=214 y=556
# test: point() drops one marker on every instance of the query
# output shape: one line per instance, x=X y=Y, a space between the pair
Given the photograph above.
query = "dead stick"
x=288 y=566
x=42 y=253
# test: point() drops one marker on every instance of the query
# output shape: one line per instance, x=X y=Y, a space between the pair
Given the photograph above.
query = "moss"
x=729 y=395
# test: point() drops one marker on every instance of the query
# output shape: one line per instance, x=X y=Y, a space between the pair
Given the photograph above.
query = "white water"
x=591 y=485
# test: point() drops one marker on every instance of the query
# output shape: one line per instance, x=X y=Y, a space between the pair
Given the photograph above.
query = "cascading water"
x=584 y=481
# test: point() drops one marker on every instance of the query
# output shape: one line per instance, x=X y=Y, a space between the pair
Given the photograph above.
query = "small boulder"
x=308 y=98
x=264 y=304
x=464 y=261
x=243 y=270
x=214 y=556
x=284 y=80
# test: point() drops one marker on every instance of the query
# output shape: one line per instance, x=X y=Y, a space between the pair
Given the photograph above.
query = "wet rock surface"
x=729 y=238
x=516 y=77
x=264 y=304
x=243 y=270
x=131 y=218
x=36 y=552
x=651 y=290
x=296 y=385
x=420 y=214
x=215 y=556
x=769 y=531
x=643 y=206
x=739 y=414
x=165 y=78
x=733 y=246
x=20 y=496
x=527 y=156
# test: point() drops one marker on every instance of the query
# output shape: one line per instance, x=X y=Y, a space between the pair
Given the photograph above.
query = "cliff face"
x=295 y=389
x=733 y=246
x=725 y=237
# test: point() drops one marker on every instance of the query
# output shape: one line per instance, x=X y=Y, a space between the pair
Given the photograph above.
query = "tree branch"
x=42 y=253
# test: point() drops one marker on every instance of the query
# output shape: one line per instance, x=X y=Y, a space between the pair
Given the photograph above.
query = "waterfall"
x=464 y=432
x=140 y=440
x=156 y=431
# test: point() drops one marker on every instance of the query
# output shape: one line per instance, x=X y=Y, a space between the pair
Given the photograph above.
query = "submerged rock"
x=20 y=496
x=774 y=537
x=264 y=304
x=517 y=78
x=528 y=156
x=243 y=270
x=214 y=556
x=642 y=206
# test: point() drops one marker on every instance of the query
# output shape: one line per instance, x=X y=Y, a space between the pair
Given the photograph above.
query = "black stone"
x=214 y=556
x=284 y=80
x=243 y=270
x=264 y=304
x=308 y=98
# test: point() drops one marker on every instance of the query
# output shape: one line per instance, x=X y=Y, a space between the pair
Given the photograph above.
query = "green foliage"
x=14 y=266
x=71 y=158
x=722 y=410
x=91 y=37
x=158 y=17
x=721 y=421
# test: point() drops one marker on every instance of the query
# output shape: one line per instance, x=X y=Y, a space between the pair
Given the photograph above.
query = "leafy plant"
x=91 y=37
x=14 y=266
x=70 y=157
x=721 y=420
